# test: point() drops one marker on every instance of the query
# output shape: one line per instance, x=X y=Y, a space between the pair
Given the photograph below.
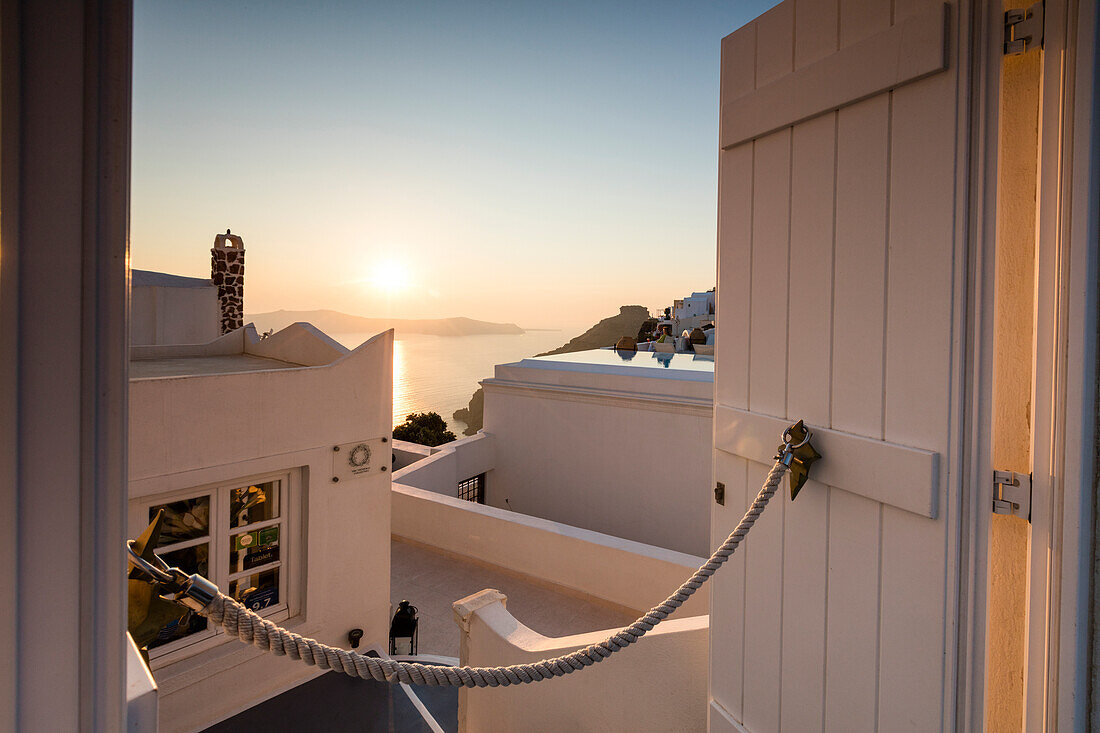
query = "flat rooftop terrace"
x=188 y=366
x=433 y=580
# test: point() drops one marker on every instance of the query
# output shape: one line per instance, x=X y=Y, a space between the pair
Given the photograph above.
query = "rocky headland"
x=605 y=333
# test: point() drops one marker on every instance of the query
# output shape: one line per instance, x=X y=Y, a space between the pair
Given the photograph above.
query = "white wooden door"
x=842 y=300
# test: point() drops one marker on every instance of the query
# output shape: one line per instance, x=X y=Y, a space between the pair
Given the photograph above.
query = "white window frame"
x=290 y=562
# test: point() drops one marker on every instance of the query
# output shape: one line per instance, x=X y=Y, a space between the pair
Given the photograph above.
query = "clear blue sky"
x=540 y=162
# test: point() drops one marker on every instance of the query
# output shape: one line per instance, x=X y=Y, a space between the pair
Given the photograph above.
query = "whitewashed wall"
x=841 y=275
x=192 y=431
x=657 y=685
x=445 y=466
x=622 y=572
x=167 y=315
x=625 y=456
x=406 y=453
x=298 y=343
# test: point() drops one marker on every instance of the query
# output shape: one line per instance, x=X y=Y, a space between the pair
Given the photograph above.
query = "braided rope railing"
x=250 y=628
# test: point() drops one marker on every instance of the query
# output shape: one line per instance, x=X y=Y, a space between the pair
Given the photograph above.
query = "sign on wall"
x=360 y=459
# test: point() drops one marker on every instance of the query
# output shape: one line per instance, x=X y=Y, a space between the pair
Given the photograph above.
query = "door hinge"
x=720 y=493
x=1012 y=494
x=1023 y=29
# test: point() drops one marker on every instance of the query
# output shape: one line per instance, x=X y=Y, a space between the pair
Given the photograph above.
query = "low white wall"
x=406 y=453
x=230 y=343
x=298 y=343
x=613 y=569
x=658 y=684
x=141 y=692
x=627 y=459
x=450 y=463
x=168 y=315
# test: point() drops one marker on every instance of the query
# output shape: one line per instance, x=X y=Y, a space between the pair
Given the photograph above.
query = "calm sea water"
x=440 y=373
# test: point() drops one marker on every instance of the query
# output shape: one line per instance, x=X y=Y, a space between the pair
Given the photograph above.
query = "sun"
x=390 y=276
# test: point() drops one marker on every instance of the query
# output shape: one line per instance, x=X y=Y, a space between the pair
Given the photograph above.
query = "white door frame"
x=976 y=444
x=64 y=348
x=1064 y=399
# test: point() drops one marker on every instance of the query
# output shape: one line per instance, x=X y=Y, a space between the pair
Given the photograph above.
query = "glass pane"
x=252 y=549
x=249 y=504
x=257 y=592
x=191 y=560
x=183 y=520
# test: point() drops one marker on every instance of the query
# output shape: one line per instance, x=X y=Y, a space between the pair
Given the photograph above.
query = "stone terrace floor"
x=432 y=580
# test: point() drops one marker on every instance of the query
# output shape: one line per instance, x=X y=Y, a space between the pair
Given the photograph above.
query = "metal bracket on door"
x=1023 y=29
x=1012 y=494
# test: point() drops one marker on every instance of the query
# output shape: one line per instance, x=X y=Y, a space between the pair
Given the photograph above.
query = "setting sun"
x=390 y=276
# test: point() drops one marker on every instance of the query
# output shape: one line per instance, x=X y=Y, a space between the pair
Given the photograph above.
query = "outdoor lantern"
x=403 y=630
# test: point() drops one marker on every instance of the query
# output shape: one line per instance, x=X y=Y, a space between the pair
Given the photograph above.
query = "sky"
x=540 y=163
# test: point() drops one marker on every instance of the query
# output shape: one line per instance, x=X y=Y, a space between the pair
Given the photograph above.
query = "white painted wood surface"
x=902 y=53
x=898 y=475
x=840 y=260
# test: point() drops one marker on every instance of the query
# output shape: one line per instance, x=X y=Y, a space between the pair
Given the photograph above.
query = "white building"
x=235 y=440
x=612 y=441
x=694 y=311
x=696 y=305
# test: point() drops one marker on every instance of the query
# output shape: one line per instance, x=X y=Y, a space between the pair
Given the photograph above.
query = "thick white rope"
x=250 y=628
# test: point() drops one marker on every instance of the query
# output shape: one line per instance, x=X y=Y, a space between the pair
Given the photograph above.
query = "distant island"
x=336 y=322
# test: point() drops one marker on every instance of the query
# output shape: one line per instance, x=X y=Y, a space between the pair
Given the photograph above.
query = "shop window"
x=236 y=534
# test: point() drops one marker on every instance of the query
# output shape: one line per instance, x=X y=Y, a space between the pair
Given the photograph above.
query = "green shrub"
x=425 y=428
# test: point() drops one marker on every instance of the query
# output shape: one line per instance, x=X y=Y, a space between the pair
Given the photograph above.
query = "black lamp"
x=403 y=630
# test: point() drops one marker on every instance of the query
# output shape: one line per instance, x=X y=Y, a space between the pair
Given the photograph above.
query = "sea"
x=441 y=373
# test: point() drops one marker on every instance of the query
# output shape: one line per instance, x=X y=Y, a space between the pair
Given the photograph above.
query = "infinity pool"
x=691 y=367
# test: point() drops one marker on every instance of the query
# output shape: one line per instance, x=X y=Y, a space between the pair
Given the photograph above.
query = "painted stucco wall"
x=441 y=468
x=658 y=685
x=298 y=343
x=192 y=431
x=167 y=315
x=629 y=457
x=612 y=569
x=406 y=453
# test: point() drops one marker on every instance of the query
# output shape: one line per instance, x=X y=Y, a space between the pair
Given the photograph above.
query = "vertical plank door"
x=842 y=269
